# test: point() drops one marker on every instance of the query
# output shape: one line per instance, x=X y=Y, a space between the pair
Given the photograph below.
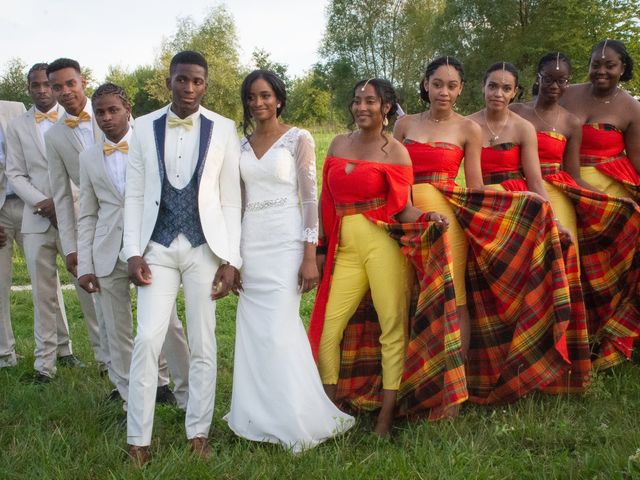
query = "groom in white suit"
x=181 y=225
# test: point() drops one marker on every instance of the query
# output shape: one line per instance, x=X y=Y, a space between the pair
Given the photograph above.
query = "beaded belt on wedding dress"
x=275 y=202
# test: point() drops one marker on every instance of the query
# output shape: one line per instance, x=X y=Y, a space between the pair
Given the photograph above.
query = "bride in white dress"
x=277 y=394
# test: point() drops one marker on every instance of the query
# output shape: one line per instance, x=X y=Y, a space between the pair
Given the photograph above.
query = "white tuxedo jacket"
x=63 y=149
x=219 y=198
x=27 y=168
x=8 y=111
x=100 y=222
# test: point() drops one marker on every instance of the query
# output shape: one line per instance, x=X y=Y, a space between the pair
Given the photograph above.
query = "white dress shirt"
x=46 y=124
x=116 y=163
x=84 y=130
x=181 y=150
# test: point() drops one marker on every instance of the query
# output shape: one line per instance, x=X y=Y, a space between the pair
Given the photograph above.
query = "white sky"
x=128 y=33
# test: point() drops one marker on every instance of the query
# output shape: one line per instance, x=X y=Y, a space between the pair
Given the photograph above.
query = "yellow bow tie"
x=174 y=122
x=51 y=116
x=108 y=149
x=74 y=122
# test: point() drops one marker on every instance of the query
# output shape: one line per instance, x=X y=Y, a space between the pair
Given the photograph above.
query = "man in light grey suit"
x=75 y=131
x=10 y=220
x=28 y=172
x=181 y=225
x=100 y=271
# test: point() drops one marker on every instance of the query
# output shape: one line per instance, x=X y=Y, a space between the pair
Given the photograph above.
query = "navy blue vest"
x=179 y=212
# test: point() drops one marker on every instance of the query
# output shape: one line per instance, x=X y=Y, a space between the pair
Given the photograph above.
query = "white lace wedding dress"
x=277 y=393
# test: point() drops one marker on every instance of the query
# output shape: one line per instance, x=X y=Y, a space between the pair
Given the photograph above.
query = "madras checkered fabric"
x=433 y=378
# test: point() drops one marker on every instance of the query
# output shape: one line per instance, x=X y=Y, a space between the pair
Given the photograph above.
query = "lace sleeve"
x=305 y=158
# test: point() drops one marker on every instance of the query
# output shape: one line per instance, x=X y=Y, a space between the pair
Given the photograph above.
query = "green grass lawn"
x=67 y=430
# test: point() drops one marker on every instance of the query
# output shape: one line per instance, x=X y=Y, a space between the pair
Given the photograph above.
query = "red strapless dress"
x=603 y=147
x=510 y=353
x=433 y=376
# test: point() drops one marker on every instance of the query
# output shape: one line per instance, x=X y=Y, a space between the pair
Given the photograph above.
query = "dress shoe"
x=139 y=456
x=200 y=447
x=70 y=361
x=41 y=379
x=165 y=396
x=114 y=396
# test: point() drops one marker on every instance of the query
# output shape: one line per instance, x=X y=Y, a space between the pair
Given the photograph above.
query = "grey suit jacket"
x=27 y=168
x=8 y=111
x=63 y=150
x=100 y=222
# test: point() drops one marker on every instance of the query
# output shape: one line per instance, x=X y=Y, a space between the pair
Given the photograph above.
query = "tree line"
x=393 y=39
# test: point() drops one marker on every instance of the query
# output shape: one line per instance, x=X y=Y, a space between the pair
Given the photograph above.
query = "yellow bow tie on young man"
x=51 y=116
x=108 y=148
x=174 y=122
x=74 y=122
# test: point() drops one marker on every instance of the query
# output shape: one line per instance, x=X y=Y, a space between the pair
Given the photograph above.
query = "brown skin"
x=68 y=90
x=499 y=92
x=586 y=101
x=112 y=116
x=444 y=86
x=263 y=105
x=3 y=237
x=42 y=97
x=366 y=143
x=188 y=84
x=545 y=113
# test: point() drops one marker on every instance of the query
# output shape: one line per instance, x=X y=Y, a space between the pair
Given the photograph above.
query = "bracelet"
x=321 y=250
x=322 y=242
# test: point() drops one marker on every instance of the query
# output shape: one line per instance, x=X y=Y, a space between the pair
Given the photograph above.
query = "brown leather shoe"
x=139 y=456
x=200 y=447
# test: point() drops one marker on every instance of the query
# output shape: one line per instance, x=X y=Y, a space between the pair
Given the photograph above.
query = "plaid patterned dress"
x=609 y=241
x=603 y=148
x=518 y=340
x=433 y=376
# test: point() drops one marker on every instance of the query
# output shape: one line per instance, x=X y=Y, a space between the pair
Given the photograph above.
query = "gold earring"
x=385 y=121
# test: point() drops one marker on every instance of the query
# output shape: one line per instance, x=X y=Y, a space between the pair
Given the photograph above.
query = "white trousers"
x=195 y=269
x=50 y=327
x=115 y=300
x=11 y=221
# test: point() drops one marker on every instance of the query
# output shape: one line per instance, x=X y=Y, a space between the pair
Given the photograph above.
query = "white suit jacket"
x=63 y=150
x=8 y=111
x=27 y=168
x=100 y=223
x=219 y=198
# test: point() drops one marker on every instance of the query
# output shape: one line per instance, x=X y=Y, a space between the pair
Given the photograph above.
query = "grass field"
x=67 y=430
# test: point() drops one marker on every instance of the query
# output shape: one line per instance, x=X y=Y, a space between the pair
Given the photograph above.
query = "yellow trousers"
x=428 y=198
x=367 y=258
x=602 y=182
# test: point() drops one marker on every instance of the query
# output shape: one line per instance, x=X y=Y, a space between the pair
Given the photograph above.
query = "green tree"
x=136 y=85
x=309 y=102
x=215 y=37
x=13 y=82
x=262 y=60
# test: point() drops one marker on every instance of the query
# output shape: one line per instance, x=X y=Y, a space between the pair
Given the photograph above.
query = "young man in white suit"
x=75 y=131
x=100 y=224
x=10 y=221
x=28 y=172
x=182 y=225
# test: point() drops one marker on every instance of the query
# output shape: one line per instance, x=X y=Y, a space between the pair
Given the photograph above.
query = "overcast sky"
x=128 y=33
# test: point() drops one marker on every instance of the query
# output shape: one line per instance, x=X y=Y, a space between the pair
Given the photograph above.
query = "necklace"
x=606 y=100
x=555 y=122
x=438 y=120
x=493 y=140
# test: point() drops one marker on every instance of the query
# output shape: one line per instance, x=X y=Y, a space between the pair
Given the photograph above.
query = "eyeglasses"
x=547 y=81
